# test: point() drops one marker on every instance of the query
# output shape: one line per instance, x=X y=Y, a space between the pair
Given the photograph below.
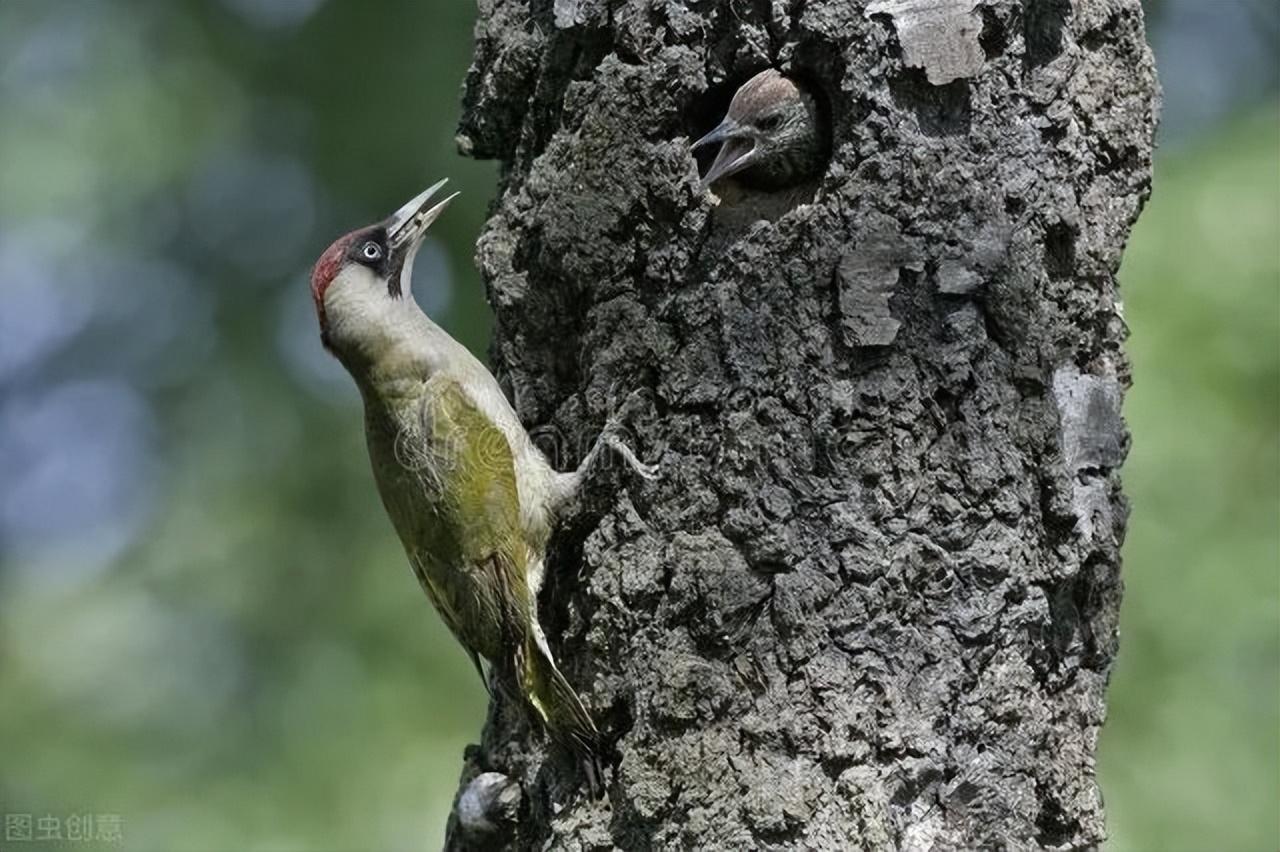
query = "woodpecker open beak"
x=737 y=150
x=412 y=220
x=407 y=228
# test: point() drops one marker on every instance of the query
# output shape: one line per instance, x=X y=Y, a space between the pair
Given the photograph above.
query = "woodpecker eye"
x=371 y=251
x=770 y=122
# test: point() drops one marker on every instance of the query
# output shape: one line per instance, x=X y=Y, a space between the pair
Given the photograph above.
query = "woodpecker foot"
x=645 y=471
x=568 y=485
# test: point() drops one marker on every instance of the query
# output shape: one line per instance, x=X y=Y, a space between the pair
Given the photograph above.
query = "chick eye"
x=371 y=251
x=770 y=122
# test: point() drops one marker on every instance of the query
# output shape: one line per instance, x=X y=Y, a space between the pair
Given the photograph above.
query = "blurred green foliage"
x=206 y=624
x=1190 y=756
x=255 y=667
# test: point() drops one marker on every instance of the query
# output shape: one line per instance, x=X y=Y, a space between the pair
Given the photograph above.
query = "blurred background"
x=208 y=637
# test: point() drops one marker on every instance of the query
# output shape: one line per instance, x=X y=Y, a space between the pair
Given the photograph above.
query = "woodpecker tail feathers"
x=563 y=714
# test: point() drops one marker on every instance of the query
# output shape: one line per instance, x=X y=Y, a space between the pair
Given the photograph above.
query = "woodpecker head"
x=364 y=277
x=771 y=133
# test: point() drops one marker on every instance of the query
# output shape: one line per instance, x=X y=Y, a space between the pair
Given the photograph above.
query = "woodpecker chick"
x=771 y=134
x=472 y=499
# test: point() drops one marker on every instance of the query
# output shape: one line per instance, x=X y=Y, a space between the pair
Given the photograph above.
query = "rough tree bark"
x=872 y=600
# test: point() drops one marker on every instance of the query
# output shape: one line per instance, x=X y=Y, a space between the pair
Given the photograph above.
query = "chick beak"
x=737 y=150
x=407 y=228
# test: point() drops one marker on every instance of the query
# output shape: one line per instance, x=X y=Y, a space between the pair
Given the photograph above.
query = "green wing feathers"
x=483 y=505
x=486 y=514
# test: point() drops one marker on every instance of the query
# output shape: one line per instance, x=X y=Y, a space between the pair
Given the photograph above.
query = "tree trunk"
x=871 y=600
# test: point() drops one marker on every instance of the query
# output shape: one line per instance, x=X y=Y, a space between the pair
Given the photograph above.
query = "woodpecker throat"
x=772 y=135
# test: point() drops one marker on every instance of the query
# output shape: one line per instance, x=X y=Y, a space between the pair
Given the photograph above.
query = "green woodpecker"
x=471 y=497
x=771 y=134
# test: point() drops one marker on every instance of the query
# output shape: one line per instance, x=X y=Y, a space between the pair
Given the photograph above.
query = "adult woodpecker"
x=771 y=134
x=470 y=496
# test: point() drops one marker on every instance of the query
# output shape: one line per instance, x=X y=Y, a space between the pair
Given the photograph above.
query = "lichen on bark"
x=871 y=601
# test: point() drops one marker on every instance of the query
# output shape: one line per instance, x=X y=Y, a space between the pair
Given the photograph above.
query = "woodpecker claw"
x=644 y=471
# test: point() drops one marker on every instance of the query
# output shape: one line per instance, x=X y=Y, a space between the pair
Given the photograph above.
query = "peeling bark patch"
x=940 y=36
x=1093 y=433
x=1093 y=440
x=987 y=253
x=866 y=279
x=956 y=278
x=864 y=303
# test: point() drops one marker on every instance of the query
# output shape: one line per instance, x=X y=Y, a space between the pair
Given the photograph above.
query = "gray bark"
x=871 y=601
